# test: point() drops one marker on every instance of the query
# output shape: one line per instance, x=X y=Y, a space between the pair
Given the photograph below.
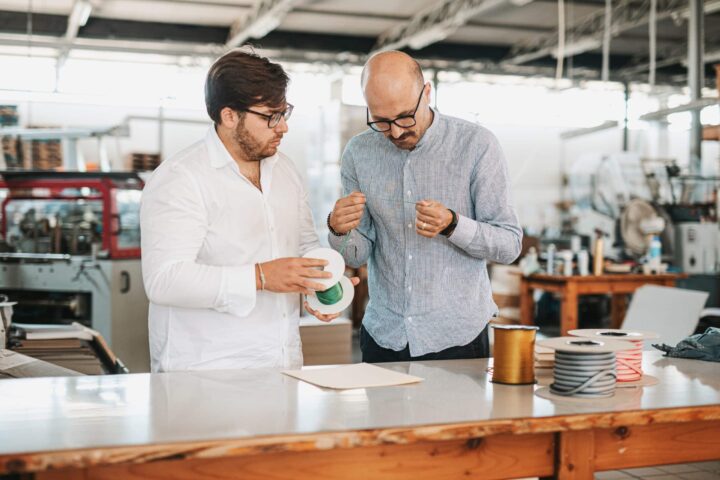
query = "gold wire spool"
x=514 y=354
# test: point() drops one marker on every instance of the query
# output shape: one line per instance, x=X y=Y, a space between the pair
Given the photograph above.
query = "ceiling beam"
x=78 y=17
x=437 y=23
x=674 y=56
x=587 y=35
x=264 y=18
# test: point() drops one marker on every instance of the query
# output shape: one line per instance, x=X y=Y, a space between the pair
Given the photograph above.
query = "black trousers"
x=374 y=353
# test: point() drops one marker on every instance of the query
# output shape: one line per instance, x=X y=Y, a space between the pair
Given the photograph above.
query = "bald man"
x=427 y=205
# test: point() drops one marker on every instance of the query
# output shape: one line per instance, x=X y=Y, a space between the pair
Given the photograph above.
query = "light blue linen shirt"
x=430 y=294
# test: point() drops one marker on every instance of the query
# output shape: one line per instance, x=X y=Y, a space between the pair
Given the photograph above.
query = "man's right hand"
x=293 y=275
x=347 y=212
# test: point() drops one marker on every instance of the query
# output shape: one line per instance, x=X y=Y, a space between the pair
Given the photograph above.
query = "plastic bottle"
x=655 y=252
x=550 y=269
x=583 y=262
x=598 y=256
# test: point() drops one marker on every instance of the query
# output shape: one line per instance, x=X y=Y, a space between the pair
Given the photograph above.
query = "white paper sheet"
x=359 y=375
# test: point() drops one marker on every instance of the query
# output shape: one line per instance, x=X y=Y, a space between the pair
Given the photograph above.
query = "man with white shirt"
x=224 y=224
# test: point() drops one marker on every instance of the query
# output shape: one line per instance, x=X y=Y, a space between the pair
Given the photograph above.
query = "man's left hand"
x=328 y=318
x=431 y=218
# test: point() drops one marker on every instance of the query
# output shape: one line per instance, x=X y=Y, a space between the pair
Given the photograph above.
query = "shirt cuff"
x=464 y=232
x=238 y=293
x=335 y=241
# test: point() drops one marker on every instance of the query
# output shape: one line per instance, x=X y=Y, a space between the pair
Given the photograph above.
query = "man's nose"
x=396 y=131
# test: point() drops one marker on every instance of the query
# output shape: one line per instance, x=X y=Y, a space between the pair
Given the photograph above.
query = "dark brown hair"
x=240 y=80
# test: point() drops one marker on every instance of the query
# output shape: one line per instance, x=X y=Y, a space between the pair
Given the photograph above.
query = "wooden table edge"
x=117 y=455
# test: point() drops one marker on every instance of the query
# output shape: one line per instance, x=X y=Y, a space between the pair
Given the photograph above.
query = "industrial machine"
x=71 y=253
x=646 y=199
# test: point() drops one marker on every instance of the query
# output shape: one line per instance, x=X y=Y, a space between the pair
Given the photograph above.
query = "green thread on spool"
x=331 y=296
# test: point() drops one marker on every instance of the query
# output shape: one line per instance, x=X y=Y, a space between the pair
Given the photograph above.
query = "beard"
x=401 y=142
x=251 y=147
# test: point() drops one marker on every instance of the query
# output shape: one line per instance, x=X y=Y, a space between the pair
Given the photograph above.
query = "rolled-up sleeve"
x=494 y=233
x=174 y=224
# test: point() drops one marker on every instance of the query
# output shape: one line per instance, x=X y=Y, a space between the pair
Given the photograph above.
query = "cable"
x=606 y=41
x=629 y=363
x=331 y=296
x=561 y=40
x=585 y=375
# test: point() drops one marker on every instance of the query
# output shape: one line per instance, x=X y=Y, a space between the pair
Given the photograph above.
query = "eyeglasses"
x=403 y=121
x=274 y=118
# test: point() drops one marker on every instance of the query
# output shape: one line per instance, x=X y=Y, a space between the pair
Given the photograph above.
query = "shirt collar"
x=432 y=131
x=219 y=155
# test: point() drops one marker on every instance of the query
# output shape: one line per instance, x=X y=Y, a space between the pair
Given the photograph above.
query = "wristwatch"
x=331 y=229
x=453 y=223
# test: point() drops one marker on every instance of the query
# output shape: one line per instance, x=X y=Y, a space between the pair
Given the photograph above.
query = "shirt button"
x=409 y=289
x=409 y=257
x=409 y=225
x=409 y=192
x=410 y=319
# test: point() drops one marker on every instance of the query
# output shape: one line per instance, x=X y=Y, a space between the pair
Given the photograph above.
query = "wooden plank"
x=628 y=447
x=502 y=456
x=618 y=309
x=527 y=303
x=124 y=455
x=576 y=455
x=569 y=309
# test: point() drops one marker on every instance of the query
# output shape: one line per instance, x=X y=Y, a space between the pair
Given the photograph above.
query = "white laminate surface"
x=49 y=414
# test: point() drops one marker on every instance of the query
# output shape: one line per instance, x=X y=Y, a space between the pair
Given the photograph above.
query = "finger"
x=349 y=208
x=348 y=217
x=357 y=195
x=313 y=262
x=352 y=200
x=427 y=220
x=312 y=273
x=355 y=281
x=426 y=210
x=328 y=318
x=312 y=312
x=425 y=233
x=314 y=286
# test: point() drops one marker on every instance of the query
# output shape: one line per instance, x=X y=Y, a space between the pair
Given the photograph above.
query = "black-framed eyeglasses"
x=403 y=121
x=274 y=118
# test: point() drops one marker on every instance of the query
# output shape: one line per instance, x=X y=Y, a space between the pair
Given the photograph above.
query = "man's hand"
x=293 y=275
x=431 y=218
x=347 y=212
x=327 y=318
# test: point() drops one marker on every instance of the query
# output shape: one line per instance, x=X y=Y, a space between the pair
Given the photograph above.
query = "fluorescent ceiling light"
x=85 y=9
x=581 y=46
x=427 y=37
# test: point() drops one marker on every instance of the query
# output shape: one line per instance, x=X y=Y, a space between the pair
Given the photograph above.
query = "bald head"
x=391 y=70
x=397 y=97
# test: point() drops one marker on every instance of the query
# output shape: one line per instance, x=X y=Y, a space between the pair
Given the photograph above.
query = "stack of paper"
x=359 y=375
x=544 y=357
x=74 y=347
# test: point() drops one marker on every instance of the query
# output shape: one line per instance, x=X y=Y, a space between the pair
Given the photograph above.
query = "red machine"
x=72 y=213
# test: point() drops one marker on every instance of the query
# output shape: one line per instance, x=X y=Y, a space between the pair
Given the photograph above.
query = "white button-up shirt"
x=204 y=227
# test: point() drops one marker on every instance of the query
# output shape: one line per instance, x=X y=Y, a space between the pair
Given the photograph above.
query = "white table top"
x=52 y=414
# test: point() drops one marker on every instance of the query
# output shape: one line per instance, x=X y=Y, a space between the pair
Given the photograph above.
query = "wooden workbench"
x=260 y=424
x=619 y=286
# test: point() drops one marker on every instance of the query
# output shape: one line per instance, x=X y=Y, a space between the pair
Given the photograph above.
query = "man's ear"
x=229 y=118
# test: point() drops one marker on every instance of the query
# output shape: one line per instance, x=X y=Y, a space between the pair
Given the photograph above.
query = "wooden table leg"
x=526 y=302
x=569 y=308
x=576 y=456
x=618 y=309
